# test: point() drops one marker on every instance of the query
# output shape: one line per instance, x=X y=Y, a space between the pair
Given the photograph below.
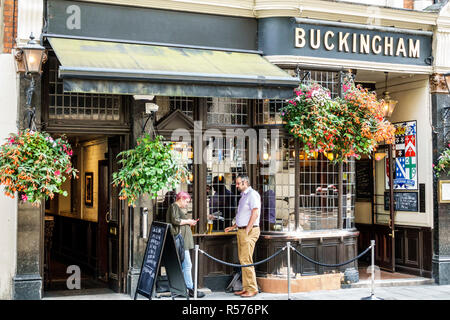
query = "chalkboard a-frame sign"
x=161 y=250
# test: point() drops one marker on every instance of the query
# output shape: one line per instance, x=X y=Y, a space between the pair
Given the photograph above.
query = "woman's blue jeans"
x=187 y=267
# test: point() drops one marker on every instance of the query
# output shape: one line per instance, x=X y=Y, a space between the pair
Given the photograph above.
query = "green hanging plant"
x=148 y=168
x=443 y=165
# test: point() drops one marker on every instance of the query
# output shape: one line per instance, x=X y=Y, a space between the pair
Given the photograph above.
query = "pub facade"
x=220 y=76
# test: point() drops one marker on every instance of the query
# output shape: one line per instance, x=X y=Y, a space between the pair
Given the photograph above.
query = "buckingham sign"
x=283 y=36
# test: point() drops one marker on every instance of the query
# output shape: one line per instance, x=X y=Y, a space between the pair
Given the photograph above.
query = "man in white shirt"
x=247 y=223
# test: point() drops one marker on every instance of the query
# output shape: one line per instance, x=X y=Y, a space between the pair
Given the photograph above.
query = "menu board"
x=152 y=259
x=364 y=180
x=161 y=250
x=403 y=201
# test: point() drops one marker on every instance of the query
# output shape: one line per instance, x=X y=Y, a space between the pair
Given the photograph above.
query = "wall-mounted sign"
x=284 y=36
x=405 y=173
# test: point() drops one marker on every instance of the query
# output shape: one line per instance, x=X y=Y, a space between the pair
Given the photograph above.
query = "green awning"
x=91 y=66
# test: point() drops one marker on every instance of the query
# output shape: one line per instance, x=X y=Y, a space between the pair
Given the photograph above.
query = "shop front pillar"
x=441 y=217
x=27 y=281
x=138 y=242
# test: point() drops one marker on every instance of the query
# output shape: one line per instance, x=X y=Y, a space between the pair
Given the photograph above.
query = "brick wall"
x=408 y=4
x=9 y=22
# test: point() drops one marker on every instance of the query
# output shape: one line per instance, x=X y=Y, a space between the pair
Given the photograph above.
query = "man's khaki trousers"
x=246 y=246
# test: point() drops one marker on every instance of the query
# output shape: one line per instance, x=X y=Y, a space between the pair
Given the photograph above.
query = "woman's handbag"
x=179 y=244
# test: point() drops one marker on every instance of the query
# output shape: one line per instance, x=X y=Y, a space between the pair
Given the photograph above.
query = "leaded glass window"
x=79 y=106
x=227 y=111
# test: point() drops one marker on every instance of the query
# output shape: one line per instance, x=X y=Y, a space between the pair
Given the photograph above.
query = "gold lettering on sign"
x=343 y=41
x=300 y=37
x=400 y=47
x=314 y=40
x=414 y=48
x=354 y=43
x=364 y=44
x=360 y=43
x=376 y=47
x=388 y=46
x=328 y=34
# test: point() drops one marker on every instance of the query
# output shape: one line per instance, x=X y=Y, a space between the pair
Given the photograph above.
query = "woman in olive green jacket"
x=180 y=224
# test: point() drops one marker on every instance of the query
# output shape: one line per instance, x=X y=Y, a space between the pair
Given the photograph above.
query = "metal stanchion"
x=288 y=245
x=372 y=284
x=196 y=272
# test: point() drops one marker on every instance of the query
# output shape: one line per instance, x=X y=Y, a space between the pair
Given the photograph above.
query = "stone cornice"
x=317 y=9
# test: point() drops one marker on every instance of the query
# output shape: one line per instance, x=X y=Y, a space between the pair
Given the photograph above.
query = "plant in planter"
x=340 y=128
x=148 y=168
x=443 y=165
x=35 y=165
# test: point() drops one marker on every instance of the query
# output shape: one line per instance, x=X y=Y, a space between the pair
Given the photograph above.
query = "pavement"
x=396 y=292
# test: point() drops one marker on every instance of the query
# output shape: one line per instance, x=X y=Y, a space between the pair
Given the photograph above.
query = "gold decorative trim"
x=441 y=183
x=438 y=84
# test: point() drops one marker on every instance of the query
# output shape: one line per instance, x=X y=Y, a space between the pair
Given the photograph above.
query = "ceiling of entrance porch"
x=378 y=76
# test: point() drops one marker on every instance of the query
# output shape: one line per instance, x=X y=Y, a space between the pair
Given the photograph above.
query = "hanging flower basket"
x=443 y=165
x=35 y=165
x=341 y=127
x=148 y=168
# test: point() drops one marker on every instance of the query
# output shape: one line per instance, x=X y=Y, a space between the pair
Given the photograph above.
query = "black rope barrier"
x=332 y=265
x=281 y=250
x=246 y=265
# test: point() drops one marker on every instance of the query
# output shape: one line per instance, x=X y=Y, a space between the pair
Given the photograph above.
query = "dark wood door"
x=385 y=232
x=103 y=211
x=114 y=220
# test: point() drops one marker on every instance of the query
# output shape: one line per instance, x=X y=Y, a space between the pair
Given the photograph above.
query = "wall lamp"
x=29 y=60
x=388 y=104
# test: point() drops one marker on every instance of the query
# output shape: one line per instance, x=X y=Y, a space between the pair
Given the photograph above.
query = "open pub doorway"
x=83 y=241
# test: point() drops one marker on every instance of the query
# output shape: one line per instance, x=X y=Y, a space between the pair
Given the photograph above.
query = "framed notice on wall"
x=405 y=171
x=444 y=191
x=89 y=189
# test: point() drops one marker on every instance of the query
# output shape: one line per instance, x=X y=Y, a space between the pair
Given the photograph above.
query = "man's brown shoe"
x=249 y=294
x=238 y=293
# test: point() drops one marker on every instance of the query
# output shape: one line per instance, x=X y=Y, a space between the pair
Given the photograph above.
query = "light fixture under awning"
x=91 y=66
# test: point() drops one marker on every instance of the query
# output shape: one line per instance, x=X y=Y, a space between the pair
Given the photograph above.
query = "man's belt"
x=255 y=226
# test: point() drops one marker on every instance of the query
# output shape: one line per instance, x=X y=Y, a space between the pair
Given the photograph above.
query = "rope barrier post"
x=372 y=284
x=196 y=271
x=288 y=245
x=372 y=276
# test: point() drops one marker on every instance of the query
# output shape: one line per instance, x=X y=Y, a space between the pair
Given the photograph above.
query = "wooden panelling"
x=413 y=247
x=326 y=250
x=75 y=241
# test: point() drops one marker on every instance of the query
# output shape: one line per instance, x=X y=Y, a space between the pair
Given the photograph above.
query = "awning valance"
x=91 y=66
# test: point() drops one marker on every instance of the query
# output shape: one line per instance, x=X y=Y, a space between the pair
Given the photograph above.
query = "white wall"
x=8 y=206
x=414 y=103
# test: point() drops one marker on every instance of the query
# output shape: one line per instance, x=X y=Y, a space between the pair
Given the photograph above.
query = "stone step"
x=390 y=283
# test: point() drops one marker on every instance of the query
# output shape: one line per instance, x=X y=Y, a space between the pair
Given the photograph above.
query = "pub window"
x=269 y=111
x=327 y=79
x=227 y=111
x=184 y=104
x=318 y=177
x=79 y=106
x=318 y=192
x=225 y=160
x=165 y=196
x=276 y=185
